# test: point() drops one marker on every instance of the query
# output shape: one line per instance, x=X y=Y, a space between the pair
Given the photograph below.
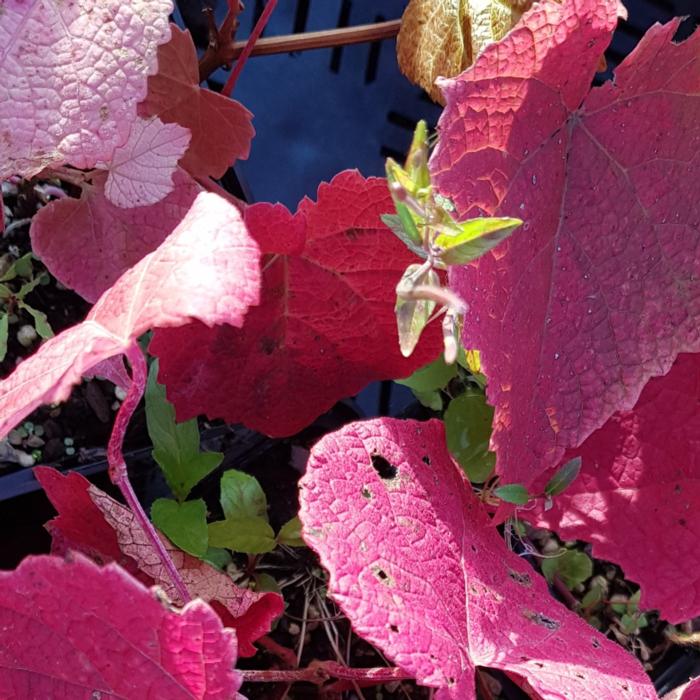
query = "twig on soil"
x=249 y=46
x=117 y=466
x=322 y=671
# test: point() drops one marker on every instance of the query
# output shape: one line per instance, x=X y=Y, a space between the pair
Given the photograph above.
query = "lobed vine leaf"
x=71 y=75
x=91 y=522
x=390 y=514
x=206 y=269
x=599 y=290
x=71 y=629
x=635 y=497
x=221 y=128
x=325 y=326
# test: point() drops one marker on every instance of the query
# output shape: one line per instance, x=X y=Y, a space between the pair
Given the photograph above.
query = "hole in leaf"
x=522 y=579
x=450 y=680
x=382 y=575
x=393 y=628
x=596 y=643
x=366 y=492
x=581 y=676
x=383 y=468
x=474 y=548
x=426 y=459
x=682 y=522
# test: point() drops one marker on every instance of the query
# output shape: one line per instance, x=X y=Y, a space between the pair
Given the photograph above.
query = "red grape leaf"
x=688 y=691
x=207 y=269
x=71 y=75
x=325 y=327
x=70 y=629
x=636 y=496
x=599 y=290
x=421 y=572
x=69 y=234
x=91 y=522
x=221 y=128
x=141 y=170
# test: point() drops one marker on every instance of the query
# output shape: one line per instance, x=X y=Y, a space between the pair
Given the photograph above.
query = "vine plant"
x=585 y=319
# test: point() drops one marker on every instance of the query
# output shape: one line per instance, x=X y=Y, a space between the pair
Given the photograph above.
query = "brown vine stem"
x=325 y=39
x=117 y=465
x=322 y=671
x=220 y=51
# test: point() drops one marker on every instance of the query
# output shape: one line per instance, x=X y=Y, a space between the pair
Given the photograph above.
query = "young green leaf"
x=4 y=329
x=250 y=535
x=417 y=160
x=40 y=321
x=430 y=399
x=412 y=315
x=563 y=478
x=264 y=583
x=573 y=567
x=242 y=496
x=408 y=236
x=22 y=267
x=175 y=445
x=30 y=286
x=513 y=493
x=184 y=524
x=290 y=533
x=436 y=375
x=468 y=421
x=471 y=239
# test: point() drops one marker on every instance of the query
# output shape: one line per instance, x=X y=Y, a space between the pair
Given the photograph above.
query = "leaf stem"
x=322 y=671
x=324 y=39
x=117 y=466
x=249 y=46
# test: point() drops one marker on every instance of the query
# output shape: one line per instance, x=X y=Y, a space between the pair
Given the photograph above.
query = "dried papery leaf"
x=325 y=326
x=207 y=269
x=421 y=572
x=598 y=291
x=141 y=171
x=69 y=629
x=72 y=234
x=91 y=522
x=636 y=496
x=71 y=75
x=440 y=38
x=221 y=128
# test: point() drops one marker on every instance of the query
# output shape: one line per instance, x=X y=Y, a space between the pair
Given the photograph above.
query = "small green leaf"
x=264 y=583
x=436 y=375
x=22 y=267
x=513 y=493
x=471 y=239
x=30 y=286
x=417 y=160
x=430 y=399
x=563 y=478
x=468 y=421
x=242 y=496
x=4 y=330
x=290 y=533
x=175 y=445
x=184 y=524
x=5 y=292
x=593 y=597
x=412 y=315
x=218 y=557
x=40 y=322
x=248 y=535
x=410 y=238
x=573 y=567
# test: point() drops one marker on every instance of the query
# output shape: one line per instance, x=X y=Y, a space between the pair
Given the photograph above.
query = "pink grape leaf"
x=207 y=269
x=688 y=691
x=325 y=327
x=221 y=128
x=69 y=234
x=421 y=572
x=91 y=522
x=599 y=290
x=71 y=75
x=636 y=496
x=141 y=171
x=70 y=629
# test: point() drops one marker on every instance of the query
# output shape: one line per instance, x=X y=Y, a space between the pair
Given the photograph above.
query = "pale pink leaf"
x=599 y=290
x=422 y=573
x=71 y=75
x=72 y=236
x=636 y=496
x=91 y=522
x=141 y=171
x=207 y=269
x=72 y=630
